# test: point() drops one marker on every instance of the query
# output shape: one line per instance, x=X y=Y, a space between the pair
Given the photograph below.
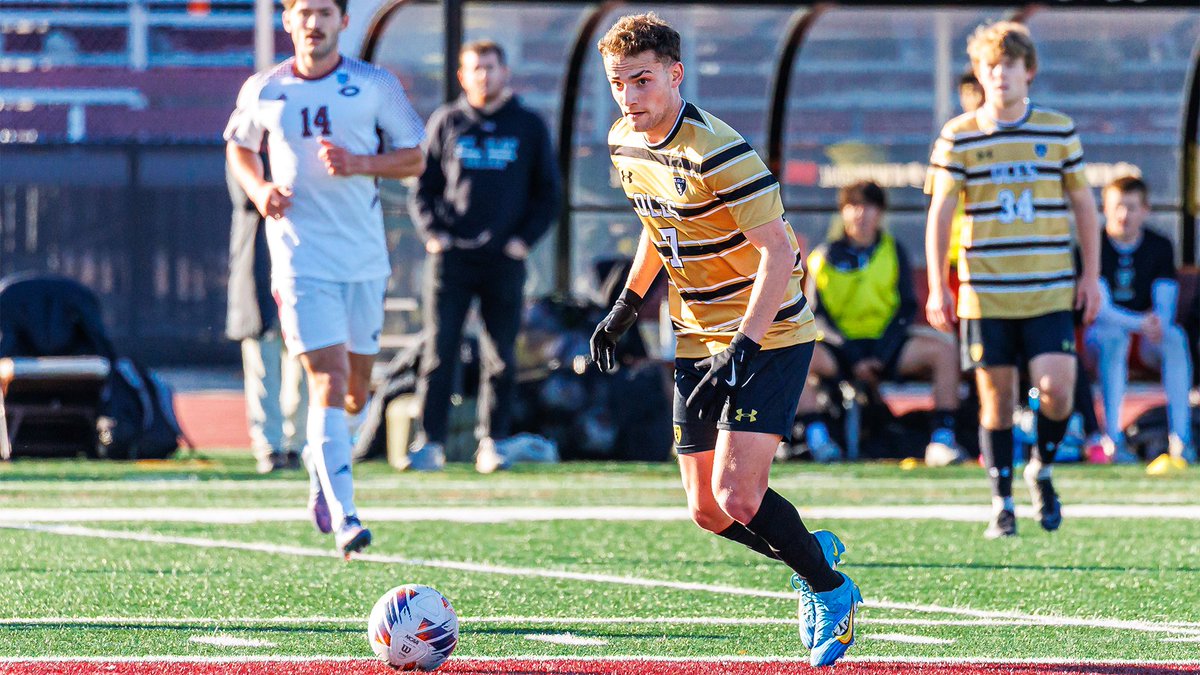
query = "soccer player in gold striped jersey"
x=1019 y=170
x=712 y=216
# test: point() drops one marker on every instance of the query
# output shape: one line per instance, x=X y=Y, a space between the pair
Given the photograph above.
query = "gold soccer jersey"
x=1015 y=256
x=696 y=193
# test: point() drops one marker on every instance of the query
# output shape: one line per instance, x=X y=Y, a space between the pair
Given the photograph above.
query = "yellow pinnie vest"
x=861 y=302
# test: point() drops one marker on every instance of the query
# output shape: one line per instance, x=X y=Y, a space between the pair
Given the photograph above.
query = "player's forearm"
x=937 y=240
x=398 y=164
x=770 y=285
x=646 y=264
x=246 y=166
x=1087 y=226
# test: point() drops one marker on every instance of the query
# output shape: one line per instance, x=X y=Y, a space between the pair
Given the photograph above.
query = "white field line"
x=187 y=480
x=229 y=641
x=339 y=658
x=488 y=620
x=1137 y=489
x=567 y=639
x=522 y=514
x=910 y=639
x=260 y=547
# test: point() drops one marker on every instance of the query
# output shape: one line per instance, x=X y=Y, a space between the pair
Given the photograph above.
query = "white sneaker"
x=1182 y=449
x=942 y=450
x=1117 y=452
x=487 y=458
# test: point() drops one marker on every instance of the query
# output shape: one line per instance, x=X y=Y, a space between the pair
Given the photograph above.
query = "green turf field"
x=154 y=583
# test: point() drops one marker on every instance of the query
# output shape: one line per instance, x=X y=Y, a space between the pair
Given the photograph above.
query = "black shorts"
x=850 y=352
x=1014 y=342
x=765 y=404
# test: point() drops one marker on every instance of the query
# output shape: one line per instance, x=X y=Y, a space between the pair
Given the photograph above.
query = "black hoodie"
x=488 y=178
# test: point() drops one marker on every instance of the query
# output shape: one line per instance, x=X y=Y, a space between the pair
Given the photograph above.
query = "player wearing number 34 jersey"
x=1018 y=170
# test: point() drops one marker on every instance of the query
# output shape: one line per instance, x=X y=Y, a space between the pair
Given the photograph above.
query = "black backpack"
x=137 y=415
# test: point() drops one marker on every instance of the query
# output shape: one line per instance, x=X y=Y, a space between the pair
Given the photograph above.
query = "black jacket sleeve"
x=545 y=191
x=896 y=333
x=426 y=203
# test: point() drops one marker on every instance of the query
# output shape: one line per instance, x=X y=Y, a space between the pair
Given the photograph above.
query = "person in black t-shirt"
x=1138 y=273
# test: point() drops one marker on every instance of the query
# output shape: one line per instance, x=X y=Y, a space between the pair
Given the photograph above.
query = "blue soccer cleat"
x=352 y=537
x=834 y=629
x=833 y=548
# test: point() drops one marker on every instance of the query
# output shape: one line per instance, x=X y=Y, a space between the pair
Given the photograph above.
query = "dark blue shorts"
x=765 y=404
x=1014 y=342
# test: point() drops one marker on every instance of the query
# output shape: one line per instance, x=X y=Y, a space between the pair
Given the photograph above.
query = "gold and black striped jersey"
x=696 y=193
x=1015 y=246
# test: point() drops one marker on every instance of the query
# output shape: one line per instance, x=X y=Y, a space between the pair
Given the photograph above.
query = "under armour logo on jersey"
x=626 y=176
x=680 y=185
x=349 y=90
x=752 y=416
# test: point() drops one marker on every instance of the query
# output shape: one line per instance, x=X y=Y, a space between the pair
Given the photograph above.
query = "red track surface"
x=569 y=667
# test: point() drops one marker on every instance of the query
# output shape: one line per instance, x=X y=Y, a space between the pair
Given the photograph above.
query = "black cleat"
x=1004 y=524
x=1045 y=499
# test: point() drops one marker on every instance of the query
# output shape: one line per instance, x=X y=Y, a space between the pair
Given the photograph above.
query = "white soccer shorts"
x=314 y=313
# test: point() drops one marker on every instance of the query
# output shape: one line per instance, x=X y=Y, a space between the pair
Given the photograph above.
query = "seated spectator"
x=1137 y=268
x=862 y=288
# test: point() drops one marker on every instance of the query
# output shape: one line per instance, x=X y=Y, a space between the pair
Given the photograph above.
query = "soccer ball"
x=413 y=628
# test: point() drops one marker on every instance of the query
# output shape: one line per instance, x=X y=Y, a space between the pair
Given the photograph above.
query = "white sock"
x=354 y=422
x=310 y=465
x=330 y=454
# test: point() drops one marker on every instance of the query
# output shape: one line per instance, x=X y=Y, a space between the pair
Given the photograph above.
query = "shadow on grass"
x=1022 y=568
x=188 y=628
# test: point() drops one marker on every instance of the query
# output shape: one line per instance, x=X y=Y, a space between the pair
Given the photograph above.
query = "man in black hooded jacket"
x=489 y=192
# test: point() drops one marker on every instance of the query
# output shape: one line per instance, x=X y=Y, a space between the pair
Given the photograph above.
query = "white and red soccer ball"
x=413 y=628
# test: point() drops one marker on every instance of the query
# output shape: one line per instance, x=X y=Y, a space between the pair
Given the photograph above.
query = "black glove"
x=608 y=333
x=727 y=372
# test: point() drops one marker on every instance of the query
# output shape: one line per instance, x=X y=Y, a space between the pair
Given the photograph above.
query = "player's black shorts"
x=766 y=403
x=1013 y=342
x=850 y=352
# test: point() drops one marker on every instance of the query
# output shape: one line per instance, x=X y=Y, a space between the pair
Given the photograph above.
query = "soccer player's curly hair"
x=637 y=33
x=991 y=42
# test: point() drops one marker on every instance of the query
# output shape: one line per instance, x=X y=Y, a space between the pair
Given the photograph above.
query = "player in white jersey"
x=333 y=126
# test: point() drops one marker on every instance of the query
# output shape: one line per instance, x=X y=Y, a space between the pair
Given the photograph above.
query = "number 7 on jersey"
x=671 y=235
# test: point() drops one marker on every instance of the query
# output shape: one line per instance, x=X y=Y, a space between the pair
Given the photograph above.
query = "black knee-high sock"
x=778 y=522
x=738 y=532
x=996 y=445
x=1049 y=434
x=942 y=419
